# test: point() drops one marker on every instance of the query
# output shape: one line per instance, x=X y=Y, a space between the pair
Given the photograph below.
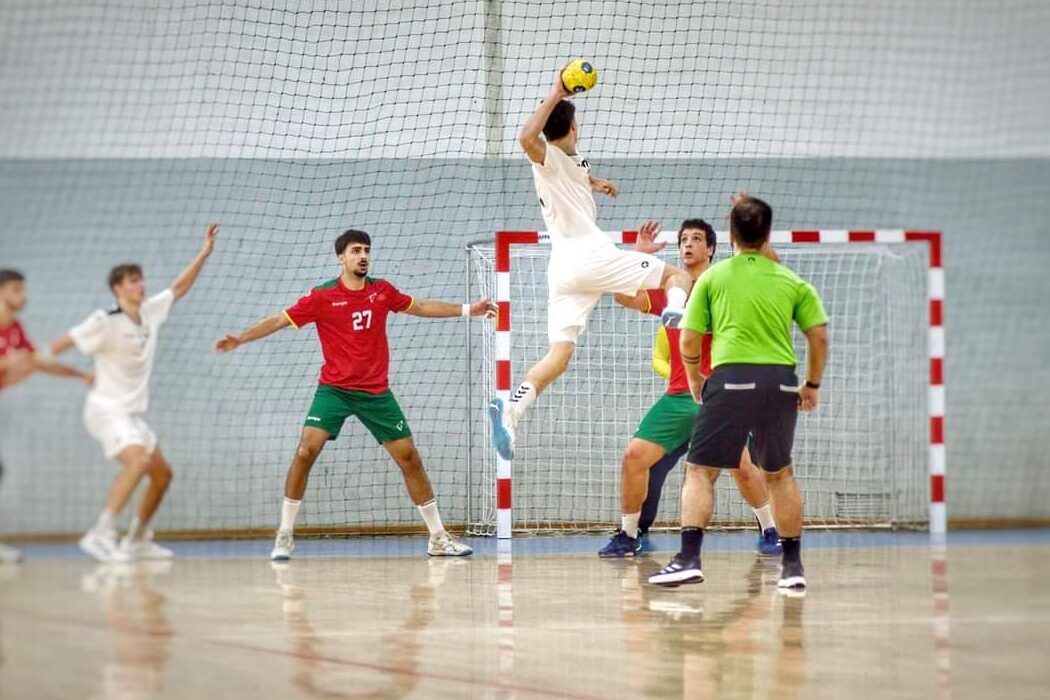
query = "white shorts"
x=578 y=279
x=116 y=429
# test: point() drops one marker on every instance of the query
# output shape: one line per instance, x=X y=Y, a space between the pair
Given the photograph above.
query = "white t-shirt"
x=566 y=199
x=123 y=352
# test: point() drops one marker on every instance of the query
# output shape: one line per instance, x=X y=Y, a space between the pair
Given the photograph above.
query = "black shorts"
x=760 y=401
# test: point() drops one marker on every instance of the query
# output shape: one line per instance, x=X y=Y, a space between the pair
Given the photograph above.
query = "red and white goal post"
x=872 y=455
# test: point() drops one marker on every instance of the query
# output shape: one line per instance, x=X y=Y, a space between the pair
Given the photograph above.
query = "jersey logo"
x=645 y=264
x=372 y=297
x=542 y=203
x=585 y=164
x=340 y=303
x=401 y=425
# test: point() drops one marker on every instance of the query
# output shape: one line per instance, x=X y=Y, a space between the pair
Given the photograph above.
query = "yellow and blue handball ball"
x=579 y=76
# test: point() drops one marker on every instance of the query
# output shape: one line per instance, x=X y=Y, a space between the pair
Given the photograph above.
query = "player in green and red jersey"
x=351 y=312
x=663 y=435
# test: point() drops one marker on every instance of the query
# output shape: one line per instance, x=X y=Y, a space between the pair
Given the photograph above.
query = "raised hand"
x=209 y=238
x=646 y=241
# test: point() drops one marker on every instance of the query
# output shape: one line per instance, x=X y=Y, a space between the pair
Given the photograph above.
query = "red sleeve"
x=304 y=311
x=398 y=300
x=23 y=341
x=657 y=301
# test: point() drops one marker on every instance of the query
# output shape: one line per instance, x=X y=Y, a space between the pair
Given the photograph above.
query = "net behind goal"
x=862 y=459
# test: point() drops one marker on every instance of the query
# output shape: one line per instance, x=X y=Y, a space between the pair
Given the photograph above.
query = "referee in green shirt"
x=749 y=303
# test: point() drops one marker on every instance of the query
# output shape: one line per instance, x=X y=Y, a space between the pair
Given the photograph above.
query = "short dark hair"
x=7 y=276
x=709 y=233
x=121 y=272
x=560 y=121
x=750 y=221
x=351 y=236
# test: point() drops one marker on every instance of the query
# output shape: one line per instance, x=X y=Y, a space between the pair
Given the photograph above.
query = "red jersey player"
x=17 y=354
x=351 y=313
x=663 y=435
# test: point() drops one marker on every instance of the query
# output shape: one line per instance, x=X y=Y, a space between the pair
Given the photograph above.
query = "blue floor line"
x=574 y=544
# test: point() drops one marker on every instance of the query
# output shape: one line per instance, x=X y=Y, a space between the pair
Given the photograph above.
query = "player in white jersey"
x=123 y=343
x=584 y=263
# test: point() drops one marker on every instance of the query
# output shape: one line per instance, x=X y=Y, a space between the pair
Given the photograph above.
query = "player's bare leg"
x=421 y=492
x=698 y=499
x=540 y=376
x=101 y=540
x=138 y=543
x=752 y=486
x=639 y=456
x=787 y=506
x=311 y=442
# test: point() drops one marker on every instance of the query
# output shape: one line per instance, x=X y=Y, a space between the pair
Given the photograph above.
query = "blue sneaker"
x=621 y=546
x=644 y=545
x=502 y=436
x=769 y=542
x=672 y=317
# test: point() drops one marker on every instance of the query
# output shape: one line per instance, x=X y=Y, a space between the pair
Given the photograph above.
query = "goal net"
x=862 y=459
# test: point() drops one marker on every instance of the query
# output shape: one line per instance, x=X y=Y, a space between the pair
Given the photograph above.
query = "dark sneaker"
x=769 y=542
x=679 y=571
x=792 y=575
x=621 y=546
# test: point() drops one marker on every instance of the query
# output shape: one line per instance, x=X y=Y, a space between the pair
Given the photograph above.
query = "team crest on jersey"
x=372 y=297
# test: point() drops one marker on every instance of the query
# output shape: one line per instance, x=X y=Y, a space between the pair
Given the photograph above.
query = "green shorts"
x=669 y=423
x=377 y=412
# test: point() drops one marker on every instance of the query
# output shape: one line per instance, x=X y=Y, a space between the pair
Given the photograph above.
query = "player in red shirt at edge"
x=663 y=435
x=18 y=357
x=351 y=313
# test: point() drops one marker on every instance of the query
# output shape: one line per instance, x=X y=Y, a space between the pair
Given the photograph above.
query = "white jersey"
x=566 y=199
x=123 y=352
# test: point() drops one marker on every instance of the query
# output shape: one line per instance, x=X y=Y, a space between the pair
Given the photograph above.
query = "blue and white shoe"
x=672 y=317
x=621 y=546
x=769 y=542
x=792 y=576
x=502 y=434
x=680 y=571
x=644 y=544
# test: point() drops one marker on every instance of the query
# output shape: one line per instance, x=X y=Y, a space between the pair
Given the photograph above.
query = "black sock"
x=692 y=539
x=792 y=548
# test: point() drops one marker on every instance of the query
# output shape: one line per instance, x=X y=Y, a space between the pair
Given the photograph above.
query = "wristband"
x=812 y=385
x=466 y=310
x=45 y=356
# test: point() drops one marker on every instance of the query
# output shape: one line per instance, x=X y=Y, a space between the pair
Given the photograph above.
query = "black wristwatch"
x=812 y=385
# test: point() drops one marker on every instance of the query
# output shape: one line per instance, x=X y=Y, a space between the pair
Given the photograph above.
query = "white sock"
x=431 y=517
x=289 y=509
x=523 y=397
x=105 y=521
x=676 y=298
x=765 y=516
x=629 y=524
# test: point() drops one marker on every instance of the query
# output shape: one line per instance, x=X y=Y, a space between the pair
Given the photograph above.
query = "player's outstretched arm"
x=604 y=186
x=184 y=282
x=44 y=360
x=530 y=137
x=432 y=308
x=263 y=328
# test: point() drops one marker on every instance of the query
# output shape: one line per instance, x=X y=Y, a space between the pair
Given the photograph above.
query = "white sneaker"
x=283 y=546
x=445 y=545
x=144 y=548
x=9 y=555
x=102 y=544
